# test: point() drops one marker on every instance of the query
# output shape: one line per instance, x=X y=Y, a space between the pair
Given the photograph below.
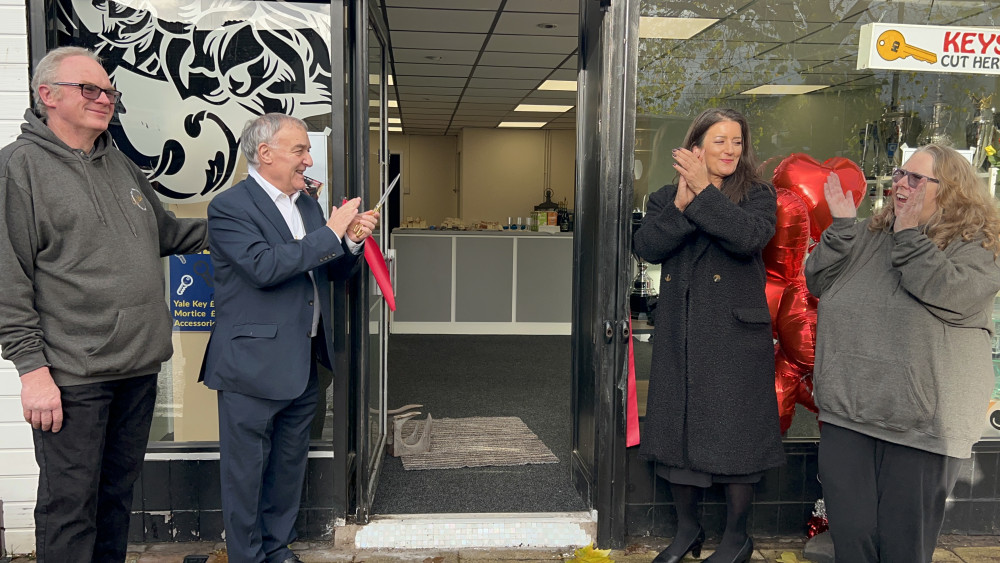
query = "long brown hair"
x=738 y=184
x=965 y=208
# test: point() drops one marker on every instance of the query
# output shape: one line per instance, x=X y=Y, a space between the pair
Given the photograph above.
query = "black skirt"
x=679 y=476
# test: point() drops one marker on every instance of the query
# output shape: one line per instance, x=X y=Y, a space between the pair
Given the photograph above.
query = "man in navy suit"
x=274 y=257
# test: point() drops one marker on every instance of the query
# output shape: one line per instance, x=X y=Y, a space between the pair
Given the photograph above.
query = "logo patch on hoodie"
x=138 y=199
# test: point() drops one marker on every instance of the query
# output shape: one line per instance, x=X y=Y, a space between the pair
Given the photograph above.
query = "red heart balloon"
x=797 y=324
x=787 y=378
x=805 y=176
x=774 y=288
x=785 y=254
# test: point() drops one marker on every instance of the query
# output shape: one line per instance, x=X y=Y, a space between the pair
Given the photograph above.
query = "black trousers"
x=87 y=469
x=264 y=448
x=885 y=502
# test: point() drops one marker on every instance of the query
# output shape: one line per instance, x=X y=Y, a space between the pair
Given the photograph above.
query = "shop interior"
x=789 y=66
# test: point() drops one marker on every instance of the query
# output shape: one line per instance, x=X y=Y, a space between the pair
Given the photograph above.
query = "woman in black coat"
x=712 y=413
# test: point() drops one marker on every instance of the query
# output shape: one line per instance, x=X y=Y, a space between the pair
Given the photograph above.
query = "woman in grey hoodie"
x=903 y=361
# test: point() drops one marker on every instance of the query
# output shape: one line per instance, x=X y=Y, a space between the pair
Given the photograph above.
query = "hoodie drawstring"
x=90 y=183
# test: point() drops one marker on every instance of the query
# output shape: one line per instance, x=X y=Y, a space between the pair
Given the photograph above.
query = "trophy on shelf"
x=871 y=150
x=979 y=132
x=894 y=128
x=643 y=296
x=936 y=131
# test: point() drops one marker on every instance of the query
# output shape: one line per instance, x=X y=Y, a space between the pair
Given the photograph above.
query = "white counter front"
x=482 y=282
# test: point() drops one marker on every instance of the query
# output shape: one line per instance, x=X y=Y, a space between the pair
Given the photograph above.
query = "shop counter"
x=482 y=282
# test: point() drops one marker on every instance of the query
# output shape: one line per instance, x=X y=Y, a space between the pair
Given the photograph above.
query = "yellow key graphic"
x=892 y=46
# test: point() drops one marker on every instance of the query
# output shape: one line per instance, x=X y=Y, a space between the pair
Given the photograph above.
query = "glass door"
x=378 y=317
x=367 y=165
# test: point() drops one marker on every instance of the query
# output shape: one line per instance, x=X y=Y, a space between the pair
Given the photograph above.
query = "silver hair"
x=263 y=129
x=48 y=68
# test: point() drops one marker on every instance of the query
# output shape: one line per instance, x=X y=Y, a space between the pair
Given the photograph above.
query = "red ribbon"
x=373 y=255
x=631 y=402
x=376 y=262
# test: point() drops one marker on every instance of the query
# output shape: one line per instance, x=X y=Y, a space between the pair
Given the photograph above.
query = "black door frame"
x=605 y=142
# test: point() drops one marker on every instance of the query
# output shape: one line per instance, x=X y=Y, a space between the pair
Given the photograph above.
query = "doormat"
x=478 y=441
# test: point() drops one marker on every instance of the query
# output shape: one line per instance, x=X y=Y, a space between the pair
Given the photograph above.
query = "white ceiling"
x=469 y=63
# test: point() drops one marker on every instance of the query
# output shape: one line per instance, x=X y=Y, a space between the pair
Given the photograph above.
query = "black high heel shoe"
x=694 y=549
x=742 y=556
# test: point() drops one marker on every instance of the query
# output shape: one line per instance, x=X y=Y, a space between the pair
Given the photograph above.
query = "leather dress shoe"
x=694 y=548
x=742 y=556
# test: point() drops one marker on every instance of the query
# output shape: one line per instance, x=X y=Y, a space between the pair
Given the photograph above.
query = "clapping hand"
x=841 y=205
x=684 y=195
x=691 y=166
x=342 y=217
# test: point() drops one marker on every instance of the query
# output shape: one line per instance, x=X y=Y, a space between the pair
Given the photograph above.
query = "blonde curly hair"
x=964 y=208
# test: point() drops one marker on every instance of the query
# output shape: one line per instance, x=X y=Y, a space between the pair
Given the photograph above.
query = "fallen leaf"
x=590 y=555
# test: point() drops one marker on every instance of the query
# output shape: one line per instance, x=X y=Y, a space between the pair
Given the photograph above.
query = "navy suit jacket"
x=260 y=344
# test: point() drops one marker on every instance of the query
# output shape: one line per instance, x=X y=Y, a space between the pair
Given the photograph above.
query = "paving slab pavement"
x=952 y=549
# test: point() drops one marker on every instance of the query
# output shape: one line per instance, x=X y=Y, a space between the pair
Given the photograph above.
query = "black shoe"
x=694 y=549
x=742 y=556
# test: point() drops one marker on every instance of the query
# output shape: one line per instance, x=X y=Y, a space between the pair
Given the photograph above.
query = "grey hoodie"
x=903 y=335
x=81 y=241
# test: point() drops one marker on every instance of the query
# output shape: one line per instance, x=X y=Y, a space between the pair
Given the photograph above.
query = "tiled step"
x=457 y=531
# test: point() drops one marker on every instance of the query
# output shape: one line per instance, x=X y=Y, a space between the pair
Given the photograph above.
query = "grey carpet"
x=477 y=441
x=462 y=376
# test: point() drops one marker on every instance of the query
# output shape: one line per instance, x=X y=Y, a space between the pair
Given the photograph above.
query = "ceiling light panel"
x=781 y=90
x=543 y=108
x=522 y=124
x=559 y=85
x=672 y=28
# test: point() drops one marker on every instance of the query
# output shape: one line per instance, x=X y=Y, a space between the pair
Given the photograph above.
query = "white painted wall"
x=18 y=471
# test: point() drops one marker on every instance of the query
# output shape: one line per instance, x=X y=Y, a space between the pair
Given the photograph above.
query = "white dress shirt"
x=290 y=213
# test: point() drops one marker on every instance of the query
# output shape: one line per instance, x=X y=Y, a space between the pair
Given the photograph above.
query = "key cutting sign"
x=892 y=46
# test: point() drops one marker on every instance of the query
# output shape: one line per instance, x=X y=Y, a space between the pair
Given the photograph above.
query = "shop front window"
x=192 y=72
x=792 y=68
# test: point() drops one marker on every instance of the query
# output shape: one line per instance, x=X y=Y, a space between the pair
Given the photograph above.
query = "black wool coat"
x=711 y=405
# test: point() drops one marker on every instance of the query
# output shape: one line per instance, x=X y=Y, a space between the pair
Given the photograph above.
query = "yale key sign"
x=930 y=48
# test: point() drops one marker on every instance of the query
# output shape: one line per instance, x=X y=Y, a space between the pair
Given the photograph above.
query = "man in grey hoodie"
x=83 y=315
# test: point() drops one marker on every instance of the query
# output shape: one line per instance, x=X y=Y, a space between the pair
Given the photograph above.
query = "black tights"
x=739 y=498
